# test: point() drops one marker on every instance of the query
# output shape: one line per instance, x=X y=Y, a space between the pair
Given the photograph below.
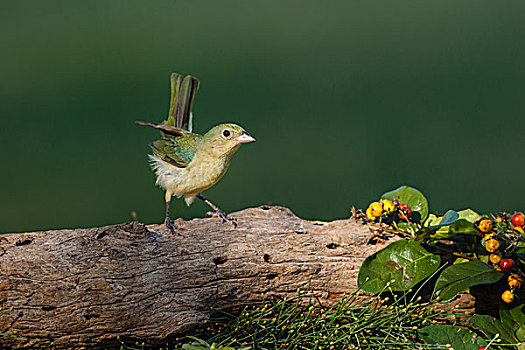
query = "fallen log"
x=84 y=287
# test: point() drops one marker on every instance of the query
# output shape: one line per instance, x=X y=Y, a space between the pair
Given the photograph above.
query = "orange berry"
x=485 y=225
x=492 y=245
x=494 y=258
x=514 y=281
x=507 y=296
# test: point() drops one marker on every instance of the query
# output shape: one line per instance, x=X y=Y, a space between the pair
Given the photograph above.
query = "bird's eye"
x=226 y=133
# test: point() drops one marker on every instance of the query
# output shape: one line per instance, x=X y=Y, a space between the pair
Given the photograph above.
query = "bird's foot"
x=223 y=216
x=169 y=224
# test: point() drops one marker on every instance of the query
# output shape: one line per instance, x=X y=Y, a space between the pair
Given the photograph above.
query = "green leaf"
x=461 y=226
x=408 y=195
x=520 y=335
x=459 y=338
x=469 y=214
x=437 y=227
x=464 y=225
x=457 y=278
x=513 y=317
x=449 y=218
x=433 y=220
x=432 y=228
x=406 y=262
x=491 y=326
x=461 y=260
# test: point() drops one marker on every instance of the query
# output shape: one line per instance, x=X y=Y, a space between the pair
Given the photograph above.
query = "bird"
x=187 y=163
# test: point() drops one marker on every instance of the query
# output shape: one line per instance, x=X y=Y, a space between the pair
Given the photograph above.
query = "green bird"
x=186 y=163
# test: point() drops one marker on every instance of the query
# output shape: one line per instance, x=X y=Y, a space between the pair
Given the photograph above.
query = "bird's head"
x=225 y=139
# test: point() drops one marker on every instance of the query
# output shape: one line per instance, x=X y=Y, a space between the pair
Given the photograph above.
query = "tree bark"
x=84 y=287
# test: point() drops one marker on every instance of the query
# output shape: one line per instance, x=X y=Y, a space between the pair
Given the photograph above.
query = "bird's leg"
x=218 y=212
x=167 y=221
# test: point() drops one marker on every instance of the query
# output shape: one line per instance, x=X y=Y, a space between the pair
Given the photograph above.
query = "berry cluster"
x=388 y=209
x=492 y=234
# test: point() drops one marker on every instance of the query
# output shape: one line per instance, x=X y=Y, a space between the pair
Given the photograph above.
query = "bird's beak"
x=245 y=138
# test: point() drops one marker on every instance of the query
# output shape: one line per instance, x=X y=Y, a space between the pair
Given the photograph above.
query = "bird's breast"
x=201 y=173
x=208 y=169
x=204 y=171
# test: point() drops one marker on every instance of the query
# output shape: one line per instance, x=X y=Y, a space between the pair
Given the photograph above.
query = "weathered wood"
x=84 y=287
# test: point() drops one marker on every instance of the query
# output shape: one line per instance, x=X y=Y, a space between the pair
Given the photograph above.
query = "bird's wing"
x=183 y=91
x=178 y=145
x=177 y=151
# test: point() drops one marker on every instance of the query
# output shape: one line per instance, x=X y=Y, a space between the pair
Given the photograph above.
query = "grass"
x=354 y=322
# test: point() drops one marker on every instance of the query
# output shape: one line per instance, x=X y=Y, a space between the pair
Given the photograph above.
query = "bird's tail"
x=183 y=91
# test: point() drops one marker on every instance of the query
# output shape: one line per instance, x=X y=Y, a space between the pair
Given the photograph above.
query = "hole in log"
x=48 y=308
x=271 y=276
x=90 y=316
x=332 y=246
x=220 y=260
x=265 y=207
x=24 y=242
x=266 y=258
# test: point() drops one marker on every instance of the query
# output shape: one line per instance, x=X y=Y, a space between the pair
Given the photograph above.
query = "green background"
x=347 y=99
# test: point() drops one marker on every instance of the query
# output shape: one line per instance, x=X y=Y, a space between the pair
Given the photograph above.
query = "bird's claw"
x=223 y=216
x=169 y=224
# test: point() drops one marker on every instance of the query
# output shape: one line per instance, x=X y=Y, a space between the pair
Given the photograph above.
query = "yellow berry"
x=388 y=206
x=495 y=258
x=369 y=214
x=499 y=219
x=514 y=281
x=507 y=296
x=485 y=225
x=492 y=245
x=519 y=229
x=376 y=209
